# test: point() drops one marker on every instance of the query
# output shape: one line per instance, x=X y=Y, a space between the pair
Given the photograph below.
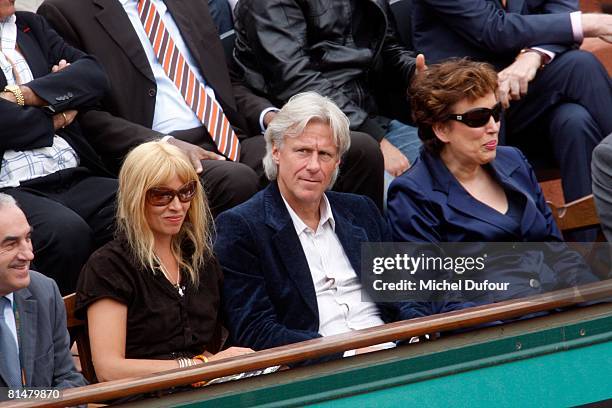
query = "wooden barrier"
x=324 y=346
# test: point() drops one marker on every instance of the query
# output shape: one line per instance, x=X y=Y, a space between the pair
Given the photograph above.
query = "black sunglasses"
x=478 y=117
x=160 y=196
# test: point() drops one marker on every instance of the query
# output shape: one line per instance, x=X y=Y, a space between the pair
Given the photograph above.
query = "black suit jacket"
x=102 y=28
x=78 y=86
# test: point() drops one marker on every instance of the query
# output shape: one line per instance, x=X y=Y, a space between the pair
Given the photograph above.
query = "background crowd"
x=197 y=172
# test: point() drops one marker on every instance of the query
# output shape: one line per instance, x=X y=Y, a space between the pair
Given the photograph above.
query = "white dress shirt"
x=171 y=110
x=342 y=305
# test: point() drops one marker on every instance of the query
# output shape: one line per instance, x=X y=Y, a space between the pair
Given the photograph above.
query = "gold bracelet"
x=16 y=91
x=201 y=357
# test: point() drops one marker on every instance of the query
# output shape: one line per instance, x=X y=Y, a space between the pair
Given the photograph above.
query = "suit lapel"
x=350 y=237
x=27 y=307
x=114 y=20
x=289 y=247
x=31 y=52
x=530 y=211
x=461 y=200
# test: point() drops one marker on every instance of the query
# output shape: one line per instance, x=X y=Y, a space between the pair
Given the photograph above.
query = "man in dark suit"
x=291 y=254
x=143 y=104
x=553 y=90
x=34 y=341
x=46 y=163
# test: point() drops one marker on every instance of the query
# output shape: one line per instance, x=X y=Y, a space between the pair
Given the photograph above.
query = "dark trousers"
x=362 y=169
x=567 y=111
x=72 y=213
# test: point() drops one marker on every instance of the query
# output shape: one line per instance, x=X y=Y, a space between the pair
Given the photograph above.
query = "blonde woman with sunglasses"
x=152 y=295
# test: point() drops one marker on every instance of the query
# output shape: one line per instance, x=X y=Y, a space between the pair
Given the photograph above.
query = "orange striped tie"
x=175 y=65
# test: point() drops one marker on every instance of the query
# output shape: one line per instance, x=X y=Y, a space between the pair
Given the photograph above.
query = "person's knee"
x=62 y=244
x=239 y=182
x=575 y=126
x=66 y=235
x=582 y=62
x=364 y=151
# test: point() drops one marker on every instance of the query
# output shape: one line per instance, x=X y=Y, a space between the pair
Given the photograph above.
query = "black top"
x=161 y=324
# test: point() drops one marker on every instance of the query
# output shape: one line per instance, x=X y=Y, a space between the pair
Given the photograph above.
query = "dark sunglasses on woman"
x=160 y=196
x=478 y=117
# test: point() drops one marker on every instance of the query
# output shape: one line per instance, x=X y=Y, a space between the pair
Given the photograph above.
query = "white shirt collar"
x=326 y=216
x=159 y=5
x=9 y=296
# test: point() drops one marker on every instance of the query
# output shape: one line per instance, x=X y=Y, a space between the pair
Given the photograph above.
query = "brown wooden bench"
x=79 y=334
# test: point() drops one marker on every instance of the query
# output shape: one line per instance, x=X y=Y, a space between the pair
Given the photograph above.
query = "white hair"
x=291 y=120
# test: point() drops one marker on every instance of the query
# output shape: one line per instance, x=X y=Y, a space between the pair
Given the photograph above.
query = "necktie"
x=175 y=65
x=9 y=363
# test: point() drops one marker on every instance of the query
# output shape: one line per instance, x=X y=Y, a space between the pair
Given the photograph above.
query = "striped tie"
x=208 y=110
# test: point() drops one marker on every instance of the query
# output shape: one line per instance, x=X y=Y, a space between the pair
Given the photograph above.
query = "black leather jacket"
x=339 y=48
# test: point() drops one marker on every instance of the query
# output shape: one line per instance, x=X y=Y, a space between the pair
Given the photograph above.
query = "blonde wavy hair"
x=150 y=165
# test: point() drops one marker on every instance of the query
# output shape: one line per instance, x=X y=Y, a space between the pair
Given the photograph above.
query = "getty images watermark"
x=481 y=272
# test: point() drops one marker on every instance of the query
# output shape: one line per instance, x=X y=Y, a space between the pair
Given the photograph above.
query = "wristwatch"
x=544 y=58
x=15 y=90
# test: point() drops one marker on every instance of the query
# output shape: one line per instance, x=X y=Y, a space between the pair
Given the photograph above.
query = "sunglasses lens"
x=186 y=193
x=159 y=196
x=480 y=117
x=477 y=118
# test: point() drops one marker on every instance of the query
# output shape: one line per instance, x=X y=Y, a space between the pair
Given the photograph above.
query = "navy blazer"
x=484 y=31
x=427 y=204
x=79 y=86
x=269 y=297
x=44 y=342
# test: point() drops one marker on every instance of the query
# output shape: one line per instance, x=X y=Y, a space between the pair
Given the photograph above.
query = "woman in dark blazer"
x=464 y=188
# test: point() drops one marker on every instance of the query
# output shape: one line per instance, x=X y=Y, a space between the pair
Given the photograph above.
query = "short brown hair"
x=437 y=89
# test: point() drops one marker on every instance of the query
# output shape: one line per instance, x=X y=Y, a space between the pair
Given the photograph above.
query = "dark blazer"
x=268 y=296
x=102 y=28
x=427 y=204
x=44 y=341
x=484 y=31
x=78 y=86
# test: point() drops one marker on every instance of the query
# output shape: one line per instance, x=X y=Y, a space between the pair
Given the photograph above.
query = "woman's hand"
x=227 y=353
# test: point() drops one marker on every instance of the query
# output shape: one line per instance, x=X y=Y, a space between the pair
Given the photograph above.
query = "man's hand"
x=268 y=117
x=514 y=79
x=8 y=96
x=63 y=119
x=395 y=161
x=60 y=65
x=195 y=153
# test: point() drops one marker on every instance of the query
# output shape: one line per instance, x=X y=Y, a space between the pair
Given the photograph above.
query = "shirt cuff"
x=576 y=20
x=550 y=54
x=166 y=138
x=261 y=117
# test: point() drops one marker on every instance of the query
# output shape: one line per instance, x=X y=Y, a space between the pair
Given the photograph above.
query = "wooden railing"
x=333 y=344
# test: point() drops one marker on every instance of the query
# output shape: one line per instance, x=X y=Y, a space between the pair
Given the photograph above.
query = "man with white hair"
x=34 y=341
x=291 y=254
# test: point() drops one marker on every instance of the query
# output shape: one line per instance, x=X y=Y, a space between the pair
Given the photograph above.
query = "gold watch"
x=15 y=90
